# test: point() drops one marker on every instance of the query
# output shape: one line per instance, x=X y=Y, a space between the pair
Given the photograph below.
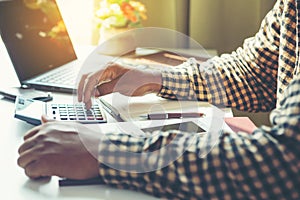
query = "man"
x=263 y=165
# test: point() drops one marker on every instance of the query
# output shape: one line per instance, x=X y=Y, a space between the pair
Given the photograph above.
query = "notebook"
x=38 y=44
x=125 y=108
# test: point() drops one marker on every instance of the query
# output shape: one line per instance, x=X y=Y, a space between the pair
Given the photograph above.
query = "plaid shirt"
x=263 y=165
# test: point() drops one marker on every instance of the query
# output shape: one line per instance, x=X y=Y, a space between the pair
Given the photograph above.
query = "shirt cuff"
x=182 y=81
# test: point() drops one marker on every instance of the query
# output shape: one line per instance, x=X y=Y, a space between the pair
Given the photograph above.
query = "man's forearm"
x=263 y=165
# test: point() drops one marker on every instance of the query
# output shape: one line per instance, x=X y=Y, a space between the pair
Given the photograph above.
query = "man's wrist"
x=155 y=82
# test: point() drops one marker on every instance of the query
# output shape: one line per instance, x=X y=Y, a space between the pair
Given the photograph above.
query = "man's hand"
x=117 y=78
x=62 y=149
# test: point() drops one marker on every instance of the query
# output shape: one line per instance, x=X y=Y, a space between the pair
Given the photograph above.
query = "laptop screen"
x=35 y=36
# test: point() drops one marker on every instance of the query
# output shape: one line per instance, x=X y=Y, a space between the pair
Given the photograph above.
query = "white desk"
x=14 y=184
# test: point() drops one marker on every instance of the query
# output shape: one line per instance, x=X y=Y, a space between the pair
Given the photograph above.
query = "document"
x=134 y=108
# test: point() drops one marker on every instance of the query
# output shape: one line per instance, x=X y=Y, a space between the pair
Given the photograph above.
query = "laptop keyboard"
x=63 y=76
x=77 y=112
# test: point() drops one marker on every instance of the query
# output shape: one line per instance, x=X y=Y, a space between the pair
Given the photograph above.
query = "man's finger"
x=31 y=132
x=46 y=119
x=89 y=89
x=38 y=169
x=28 y=144
x=26 y=157
x=80 y=87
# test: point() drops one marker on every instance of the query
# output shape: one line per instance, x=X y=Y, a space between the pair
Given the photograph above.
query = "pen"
x=154 y=116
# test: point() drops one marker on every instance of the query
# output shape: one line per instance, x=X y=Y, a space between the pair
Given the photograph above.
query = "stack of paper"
x=136 y=108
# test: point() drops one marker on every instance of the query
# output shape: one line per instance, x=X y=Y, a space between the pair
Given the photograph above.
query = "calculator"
x=31 y=111
x=76 y=112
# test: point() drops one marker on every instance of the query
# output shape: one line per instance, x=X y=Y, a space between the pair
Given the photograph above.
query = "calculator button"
x=70 y=112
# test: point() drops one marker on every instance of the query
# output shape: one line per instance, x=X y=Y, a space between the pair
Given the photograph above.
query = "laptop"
x=38 y=44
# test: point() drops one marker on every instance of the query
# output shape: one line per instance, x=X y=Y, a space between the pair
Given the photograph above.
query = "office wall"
x=215 y=24
x=224 y=24
x=172 y=14
x=161 y=13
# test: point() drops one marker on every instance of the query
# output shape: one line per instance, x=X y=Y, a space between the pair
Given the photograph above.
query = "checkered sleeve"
x=179 y=165
x=244 y=79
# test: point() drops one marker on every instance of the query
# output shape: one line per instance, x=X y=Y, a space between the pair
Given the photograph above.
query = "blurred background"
x=216 y=24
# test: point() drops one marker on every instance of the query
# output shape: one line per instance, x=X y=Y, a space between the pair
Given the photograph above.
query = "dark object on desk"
x=71 y=182
x=13 y=92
